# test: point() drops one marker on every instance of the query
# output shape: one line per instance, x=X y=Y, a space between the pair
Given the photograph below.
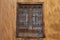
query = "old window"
x=30 y=20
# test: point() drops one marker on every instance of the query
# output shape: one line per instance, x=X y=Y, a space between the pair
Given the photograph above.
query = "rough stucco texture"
x=8 y=20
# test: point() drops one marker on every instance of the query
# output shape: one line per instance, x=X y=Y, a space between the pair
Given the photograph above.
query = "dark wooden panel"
x=30 y=20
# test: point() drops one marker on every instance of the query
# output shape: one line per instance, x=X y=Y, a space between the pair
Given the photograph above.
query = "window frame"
x=42 y=18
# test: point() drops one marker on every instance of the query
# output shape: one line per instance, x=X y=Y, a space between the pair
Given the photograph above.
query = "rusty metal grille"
x=30 y=20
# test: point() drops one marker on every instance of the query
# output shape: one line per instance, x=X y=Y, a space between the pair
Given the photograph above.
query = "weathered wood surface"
x=8 y=20
x=27 y=26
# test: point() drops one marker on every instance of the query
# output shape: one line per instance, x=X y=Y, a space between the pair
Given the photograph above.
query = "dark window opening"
x=30 y=20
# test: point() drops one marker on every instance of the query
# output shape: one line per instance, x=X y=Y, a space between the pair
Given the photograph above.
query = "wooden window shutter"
x=30 y=20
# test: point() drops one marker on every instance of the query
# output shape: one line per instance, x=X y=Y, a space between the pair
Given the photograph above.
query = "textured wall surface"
x=8 y=19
